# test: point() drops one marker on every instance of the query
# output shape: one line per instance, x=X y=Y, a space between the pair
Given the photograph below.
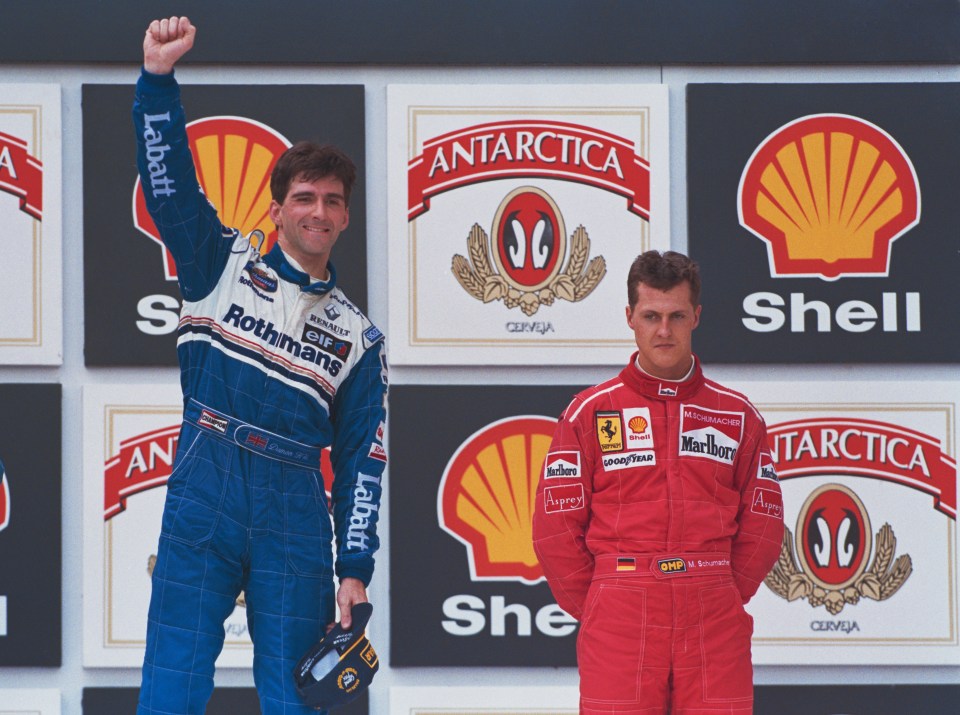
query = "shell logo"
x=638 y=425
x=234 y=157
x=4 y=499
x=829 y=194
x=487 y=496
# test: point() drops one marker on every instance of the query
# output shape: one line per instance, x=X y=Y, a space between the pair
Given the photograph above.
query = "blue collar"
x=277 y=260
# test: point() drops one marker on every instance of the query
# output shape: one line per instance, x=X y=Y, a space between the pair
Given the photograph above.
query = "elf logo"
x=326 y=342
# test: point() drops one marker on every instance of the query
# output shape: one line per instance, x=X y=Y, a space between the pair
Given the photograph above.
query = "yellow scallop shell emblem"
x=487 y=497
x=638 y=425
x=233 y=157
x=829 y=193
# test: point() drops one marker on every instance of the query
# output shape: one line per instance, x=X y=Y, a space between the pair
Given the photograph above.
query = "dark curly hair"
x=663 y=271
x=310 y=161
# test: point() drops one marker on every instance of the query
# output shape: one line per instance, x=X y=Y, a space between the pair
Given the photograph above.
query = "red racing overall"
x=658 y=514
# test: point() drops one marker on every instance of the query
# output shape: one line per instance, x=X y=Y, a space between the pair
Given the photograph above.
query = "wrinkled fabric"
x=291 y=360
x=657 y=516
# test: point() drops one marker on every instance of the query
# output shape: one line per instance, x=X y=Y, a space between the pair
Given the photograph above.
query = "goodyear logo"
x=671 y=566
x=609 y=431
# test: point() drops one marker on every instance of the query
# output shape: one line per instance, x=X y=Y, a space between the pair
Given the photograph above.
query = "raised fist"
x=165 y=42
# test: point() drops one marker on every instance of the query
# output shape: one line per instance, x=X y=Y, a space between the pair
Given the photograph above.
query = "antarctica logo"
x=831 y=564
x=529 y=248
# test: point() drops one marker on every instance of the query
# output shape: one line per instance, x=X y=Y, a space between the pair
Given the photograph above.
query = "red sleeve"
x=562 y=513
x=756 y=545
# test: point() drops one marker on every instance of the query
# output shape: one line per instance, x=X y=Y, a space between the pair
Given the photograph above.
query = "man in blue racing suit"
x=276 y=363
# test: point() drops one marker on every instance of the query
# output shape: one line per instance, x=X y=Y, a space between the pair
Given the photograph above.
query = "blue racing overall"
x=274 y=367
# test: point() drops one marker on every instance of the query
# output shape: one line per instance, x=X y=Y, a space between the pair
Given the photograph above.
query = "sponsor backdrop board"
x=128 y=274
x=514 y=214
x=868 y=571
x=130 y=439
x=464 y=465
x=30 y=213
x=30 y=518
x=224 y=701
x=824 y=221
x=856 y=699
x=501 y=33
x=490 y=701
x=29 y=702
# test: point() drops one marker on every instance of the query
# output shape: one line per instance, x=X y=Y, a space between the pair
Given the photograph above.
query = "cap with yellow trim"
x=340 y=666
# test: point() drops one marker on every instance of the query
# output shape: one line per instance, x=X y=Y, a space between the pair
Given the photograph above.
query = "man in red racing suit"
x=658 y=514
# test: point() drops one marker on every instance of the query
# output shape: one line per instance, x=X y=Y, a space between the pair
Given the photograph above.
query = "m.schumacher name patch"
x=711 y=434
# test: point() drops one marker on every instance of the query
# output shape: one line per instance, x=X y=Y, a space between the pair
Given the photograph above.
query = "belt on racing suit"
x=269 y=444
x=661 y=566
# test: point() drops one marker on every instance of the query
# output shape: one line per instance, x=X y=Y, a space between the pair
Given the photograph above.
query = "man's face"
x=309 y=221
x=663 y=323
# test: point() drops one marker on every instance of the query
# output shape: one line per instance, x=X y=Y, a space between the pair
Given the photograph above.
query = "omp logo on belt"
x=672 y=566
x=212 y=421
